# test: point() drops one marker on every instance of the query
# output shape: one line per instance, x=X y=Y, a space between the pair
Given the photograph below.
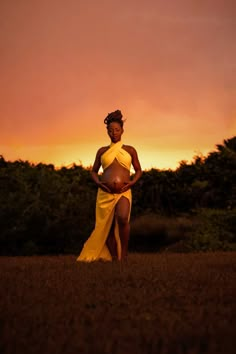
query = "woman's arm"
x=95 y=169
x=137 y=168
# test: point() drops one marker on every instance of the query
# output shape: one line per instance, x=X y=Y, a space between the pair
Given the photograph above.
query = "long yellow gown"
x=95 y=247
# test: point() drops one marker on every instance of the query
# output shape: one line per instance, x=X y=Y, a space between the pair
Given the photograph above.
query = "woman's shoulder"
x=130 y=149
x=101 y=150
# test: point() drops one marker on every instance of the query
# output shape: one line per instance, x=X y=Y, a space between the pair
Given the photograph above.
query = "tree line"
x=49 y=210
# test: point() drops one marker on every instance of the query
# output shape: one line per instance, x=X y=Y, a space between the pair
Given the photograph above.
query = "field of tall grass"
x=154 y=303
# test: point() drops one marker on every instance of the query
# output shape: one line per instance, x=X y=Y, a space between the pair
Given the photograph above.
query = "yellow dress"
x=95 y=247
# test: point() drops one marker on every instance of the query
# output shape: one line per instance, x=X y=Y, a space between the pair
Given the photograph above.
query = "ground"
x=154 y=303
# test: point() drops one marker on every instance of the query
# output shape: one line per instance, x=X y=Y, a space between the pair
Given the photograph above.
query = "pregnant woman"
x=110 y=237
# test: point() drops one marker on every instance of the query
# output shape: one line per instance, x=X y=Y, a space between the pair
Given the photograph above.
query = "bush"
x=152 y=232
x=214 y=230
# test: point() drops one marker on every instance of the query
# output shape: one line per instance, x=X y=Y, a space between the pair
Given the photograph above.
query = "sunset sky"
x=168 y=65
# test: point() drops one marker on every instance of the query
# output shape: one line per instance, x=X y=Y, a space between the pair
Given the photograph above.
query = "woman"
x=110 y=237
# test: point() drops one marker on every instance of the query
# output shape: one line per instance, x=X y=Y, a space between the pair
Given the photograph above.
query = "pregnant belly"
x=115 y=185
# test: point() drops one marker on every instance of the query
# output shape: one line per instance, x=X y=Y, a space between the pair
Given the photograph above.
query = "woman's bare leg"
x=122 y=214
x=111 y=241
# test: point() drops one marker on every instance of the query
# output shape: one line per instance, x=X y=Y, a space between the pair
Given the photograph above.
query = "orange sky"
x=169 y=65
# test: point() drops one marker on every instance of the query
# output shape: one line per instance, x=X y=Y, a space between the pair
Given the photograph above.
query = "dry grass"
x=158 y=303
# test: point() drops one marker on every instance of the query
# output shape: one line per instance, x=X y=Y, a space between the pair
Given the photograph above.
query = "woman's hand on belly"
x=126 y=186
x=112 y=187
x=115 y=186
x=104 y=187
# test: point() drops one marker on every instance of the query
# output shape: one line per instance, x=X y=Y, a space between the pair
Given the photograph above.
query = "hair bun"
x=115 y=116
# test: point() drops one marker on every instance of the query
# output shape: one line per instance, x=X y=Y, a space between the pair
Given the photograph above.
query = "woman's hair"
x=115 y=116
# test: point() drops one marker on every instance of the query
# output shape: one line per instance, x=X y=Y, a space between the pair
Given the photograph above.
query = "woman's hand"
x=113 y=188
x=127 y=186
x=104 y=187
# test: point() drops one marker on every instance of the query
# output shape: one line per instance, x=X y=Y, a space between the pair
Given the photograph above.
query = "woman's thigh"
x=122 y=210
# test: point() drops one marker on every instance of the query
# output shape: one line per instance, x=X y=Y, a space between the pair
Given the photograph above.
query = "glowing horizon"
x=66 y=155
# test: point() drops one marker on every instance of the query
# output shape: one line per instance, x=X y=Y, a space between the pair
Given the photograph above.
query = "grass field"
x=154 y=303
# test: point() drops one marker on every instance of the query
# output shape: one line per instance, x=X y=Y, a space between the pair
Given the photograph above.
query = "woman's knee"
x=122 y=220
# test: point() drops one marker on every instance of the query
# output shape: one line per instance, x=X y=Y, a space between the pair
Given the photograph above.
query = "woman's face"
x=115 y=131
